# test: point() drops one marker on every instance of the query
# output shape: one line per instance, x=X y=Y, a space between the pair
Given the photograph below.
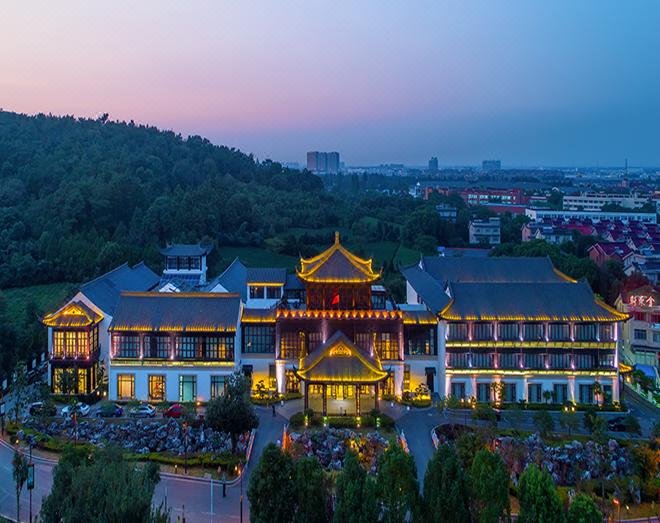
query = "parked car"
x=82 y=409
x=173 y=411
x=109 y=410
x=39 y=408
x=617 y=424
x=142 y=411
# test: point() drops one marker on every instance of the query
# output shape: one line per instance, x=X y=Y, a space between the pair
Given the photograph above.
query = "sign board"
x=30 y=477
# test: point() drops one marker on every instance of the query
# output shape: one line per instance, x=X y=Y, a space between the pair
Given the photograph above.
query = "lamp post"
x=185 y=447
x=30 y=478
x=240 y=470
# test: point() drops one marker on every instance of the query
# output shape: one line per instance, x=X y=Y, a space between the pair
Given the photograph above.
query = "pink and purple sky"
x=529 y=82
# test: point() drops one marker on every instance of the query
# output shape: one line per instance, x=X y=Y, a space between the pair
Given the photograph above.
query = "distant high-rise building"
x=433 y=165
x=491 y=165
x=322 y=162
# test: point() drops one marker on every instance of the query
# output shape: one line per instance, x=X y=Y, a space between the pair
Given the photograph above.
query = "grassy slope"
x=46 y=297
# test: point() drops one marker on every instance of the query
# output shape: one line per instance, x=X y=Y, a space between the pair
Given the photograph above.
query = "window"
x=458 y=390
x=58 y=344
x=82 y=344
x=218 y=386
x=560 y=393
x=187 y=388
x=584 y=361
x=559 y=331
x=483 y=392
x=272 y=377
x=259 y=338
x=607 y=393
x=533 y=331
x=125 y=386
x=534 y=361
x=292 y=344
x=186 y=347
x=509 y=361
x=387 y=346
x=534 y=393
x=94 y=340
x=656 y=336
x=256 y=292
x=128 y=346
x=314 y=340
x=586 y=394
x=273 y=293
x=156 y=346
x=508 y=331
x=420 y=341
x=457 y=360
x=605 y=360
x=560 y=361
x=220 y=348
x=156 y=387
x=363 y=340
x=585 y=331
x=457 y=331
x=82 y=381
x=292 y=381
x=483 y=360
x=406 y=377
x=510 y=392
x=482 y=331
x=606 y=331
x=640 y=334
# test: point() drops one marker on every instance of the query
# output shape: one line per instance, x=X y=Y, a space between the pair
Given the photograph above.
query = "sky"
x=529 y=82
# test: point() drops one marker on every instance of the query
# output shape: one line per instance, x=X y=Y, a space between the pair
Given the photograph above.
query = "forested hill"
x=79 y=196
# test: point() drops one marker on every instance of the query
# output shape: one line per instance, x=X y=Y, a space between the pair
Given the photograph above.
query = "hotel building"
x=331 y=332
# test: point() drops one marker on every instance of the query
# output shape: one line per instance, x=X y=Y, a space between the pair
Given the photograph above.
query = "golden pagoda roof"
x=74 y=314
x=339 y=360
x=336 y=265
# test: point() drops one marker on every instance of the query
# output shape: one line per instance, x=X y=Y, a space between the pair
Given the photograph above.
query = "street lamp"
x=240 y=470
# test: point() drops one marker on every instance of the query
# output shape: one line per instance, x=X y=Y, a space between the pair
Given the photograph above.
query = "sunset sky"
x=528 y=82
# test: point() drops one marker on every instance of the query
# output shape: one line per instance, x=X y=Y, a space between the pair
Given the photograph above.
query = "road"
x=183 y=495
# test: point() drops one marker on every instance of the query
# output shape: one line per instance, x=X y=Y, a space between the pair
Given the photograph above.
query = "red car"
x=173 y=411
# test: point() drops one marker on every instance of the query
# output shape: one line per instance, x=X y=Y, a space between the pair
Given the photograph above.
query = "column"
x=571 y=389
x=525 y=392
x=615 y=388
x=325 y=399
x=376 y=406
x=280 y=374
x=357 y=400
x=306 y=395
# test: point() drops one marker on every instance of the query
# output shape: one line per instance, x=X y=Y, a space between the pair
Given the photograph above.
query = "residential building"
x=433 y=165
x=640 y=339
x=185 y=267
x=594 y=216
x=602 y=252
x=447 y=212
x=323 y=162
x=485 y=231
x=594 y=202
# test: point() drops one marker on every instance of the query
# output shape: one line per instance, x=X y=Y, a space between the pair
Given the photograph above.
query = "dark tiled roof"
x=415 y=317
x=258 y=315
x=104 y=291
x=339 y=360
x=539 y=301
x=172 y=311
x=429 y=290
x=293 y=283
x=266 y=275
x=233 y=279
x=186 y=249
x=493 y=269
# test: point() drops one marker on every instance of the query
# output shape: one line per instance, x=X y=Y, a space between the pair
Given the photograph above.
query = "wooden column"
x=306 y=395
x=376 y=396
x=325 y=399
x=357 y=400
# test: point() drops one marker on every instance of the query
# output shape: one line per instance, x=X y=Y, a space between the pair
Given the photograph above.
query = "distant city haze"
x=532 y=83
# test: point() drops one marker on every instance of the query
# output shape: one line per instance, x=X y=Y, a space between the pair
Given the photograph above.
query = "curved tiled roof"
x=336 y=265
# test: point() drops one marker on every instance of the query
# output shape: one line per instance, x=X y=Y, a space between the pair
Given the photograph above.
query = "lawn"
x=46 y=297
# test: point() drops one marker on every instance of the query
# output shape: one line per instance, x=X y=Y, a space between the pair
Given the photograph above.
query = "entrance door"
x=429 y=379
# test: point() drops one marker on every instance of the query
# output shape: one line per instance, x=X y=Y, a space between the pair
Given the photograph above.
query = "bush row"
x=341 y=422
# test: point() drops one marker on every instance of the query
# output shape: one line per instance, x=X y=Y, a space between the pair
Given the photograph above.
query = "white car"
x=142 y=411
x=82 y=409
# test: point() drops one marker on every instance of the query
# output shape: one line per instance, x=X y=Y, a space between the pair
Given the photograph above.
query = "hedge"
x=342 y=422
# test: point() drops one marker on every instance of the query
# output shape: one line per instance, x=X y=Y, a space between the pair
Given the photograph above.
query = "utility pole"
x=30 y=479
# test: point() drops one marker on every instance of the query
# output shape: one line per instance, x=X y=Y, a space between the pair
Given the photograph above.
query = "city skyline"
x=532 y=84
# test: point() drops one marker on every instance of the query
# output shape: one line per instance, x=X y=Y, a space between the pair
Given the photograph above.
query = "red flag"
x=335 y=299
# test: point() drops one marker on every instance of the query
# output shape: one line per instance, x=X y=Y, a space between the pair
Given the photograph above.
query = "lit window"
x=156 y=387
x=187 y=388
x=125 y=386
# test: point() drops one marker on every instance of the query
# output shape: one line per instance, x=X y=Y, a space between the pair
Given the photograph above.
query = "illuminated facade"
x=640 y=340
x=516 y=329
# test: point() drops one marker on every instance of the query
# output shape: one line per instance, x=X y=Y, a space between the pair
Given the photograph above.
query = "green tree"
x=20 y=473
x=490 y=487
x=271 y=489
x=543 y=422
x=20 y=389
x=538 y=497
x=232 y=412
x=568 y=420
x=632 y=425
x=446 y=490
x=398 y=488
x=312 y=492
x=467 y=446
x=583 y=510
x=357 y=500
x=101 y=487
